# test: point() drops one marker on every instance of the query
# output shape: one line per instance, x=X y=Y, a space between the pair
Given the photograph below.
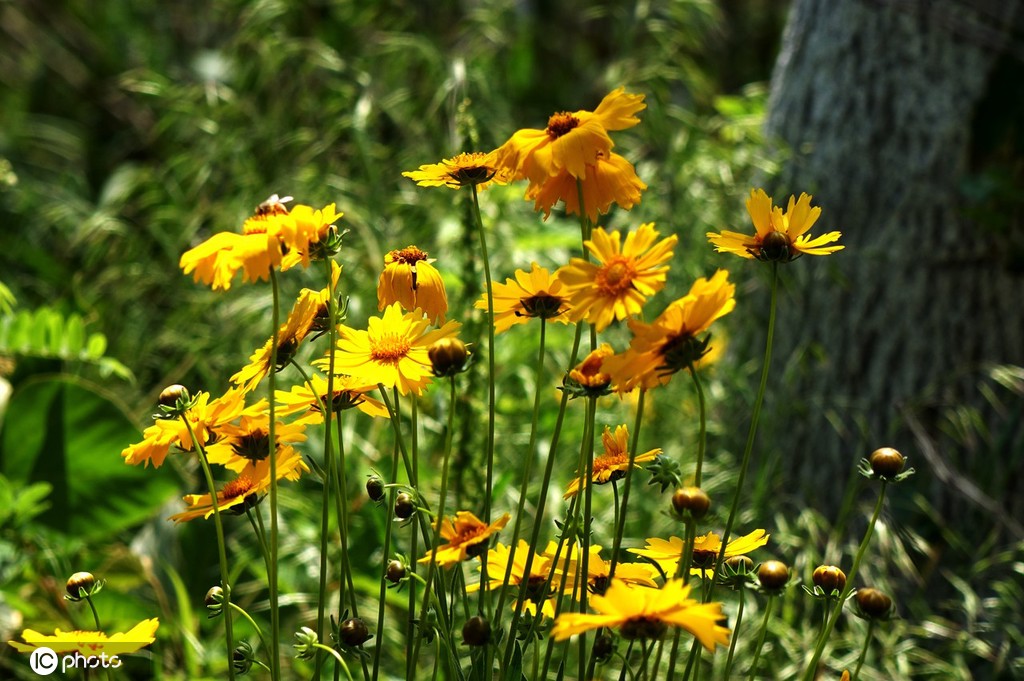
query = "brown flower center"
x=389 y=348
x=543 y=305
x=607 y=462
x=616 y=276
x=561 y=123
x=254 y=445
x=410 y=255
x=642 y=627
x=239 y=487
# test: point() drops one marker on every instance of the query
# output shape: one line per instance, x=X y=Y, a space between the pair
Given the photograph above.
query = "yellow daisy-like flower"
x=348 y=393
x=705 y=551
x=240 y=445
x=589 y=376
x=617 y=285
x=289 y=336
x=670 y=343
x=598 y=570
x=533 y=294
x=253 y=480
x=610 y=179
x=473 y=168
x=571 y=141
x=393 y=351
x=265 y=239
x=613 y=464
x=304 y=232
x=540 y=570
x=90 y=643
x=647 y=614
x=207 y=417
x=467 y=537
x=410 y=278
x=779 y=237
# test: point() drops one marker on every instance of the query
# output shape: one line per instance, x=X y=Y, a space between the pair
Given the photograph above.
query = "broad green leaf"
x=68 y=436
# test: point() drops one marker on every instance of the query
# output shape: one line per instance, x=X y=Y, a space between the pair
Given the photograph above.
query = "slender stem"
x=683 y=570
x=381 y=605
x=259 y=632
x=837 y=611
x=95 y=615
x=761 y=636
x=589 y=430
x=337 y=656
x=261 y=539
x=735 y=634
x=755 y=416
x=275 y=615
x=626 y=486
x=702 y=438
x=221 y=546
x=411 y=639
x=864 y=650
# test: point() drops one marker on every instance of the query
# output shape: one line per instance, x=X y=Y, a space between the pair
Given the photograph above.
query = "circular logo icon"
x=43 y=661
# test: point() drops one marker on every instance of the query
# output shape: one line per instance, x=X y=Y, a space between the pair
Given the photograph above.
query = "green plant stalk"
x=275 y=614
x=761 y=636
x=259 y=632
x=864 y=650
x=735 y=634
x=337 y=656
x=261 y=539
x=222 y=555
x=625 y=662
x=410 y=631
x=572 y=518
x=589 y=430
x=626 y=486
x=381 y=605
x=702 y=436
x=837 y=611
x=752 y=433
x=682 y=570
x=690 y=661
x=95 y=615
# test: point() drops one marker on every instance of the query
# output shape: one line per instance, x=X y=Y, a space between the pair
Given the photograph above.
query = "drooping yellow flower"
x=245 y=490
x=617 y=285
x=90 y=643
x=589 y=377
x=613 y=464
x=705 y=551
x=467 y=536
x=610 y=179
x=779 y=237
x=571 y=141
x=206 y=417
x=265 y=239
x=533 y=294
x=540 y=571
x=647 y=614
x=410 y=278
x=392 y=351
x=472 y=168
x=598 y=570
x=289 y=336
x=241 y=444
x=348 y=393
x=660 y=349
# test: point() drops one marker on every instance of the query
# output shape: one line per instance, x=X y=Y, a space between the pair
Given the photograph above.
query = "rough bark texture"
x=875 y=100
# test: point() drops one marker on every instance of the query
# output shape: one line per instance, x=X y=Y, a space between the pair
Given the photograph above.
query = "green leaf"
x=65 y=435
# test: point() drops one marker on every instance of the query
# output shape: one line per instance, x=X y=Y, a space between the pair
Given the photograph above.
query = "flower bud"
x=214 y=601
x=740 y=563
x=773 y=575
x=476 y=631
x=873 y=603
x=353 y=632
x=375 y=488
x=829 y=578
x=395 y=572
x=448 y=356
x=170 y=395
x=886 y=462
x=405 y=506
x=692 y=499
x=80 y=585
x=241 y=658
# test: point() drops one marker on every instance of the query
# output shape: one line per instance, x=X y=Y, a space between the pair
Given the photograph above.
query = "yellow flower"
x=647 y=614
x=90 y=643
x=239 y=445
x=598 y=570
x=589 y=376
x=610 y=179
x=571 y=141
x=779 y=237
x=289 y=336
x=617 y=285
x=540 y=570
x=303 y=230
x=660 y=349
x=206 y=417
x=393 y=351
x=467 y=536
x=705 y=551
x=409 y=278
x=531 y=294
x=473 y=168
x=265 y=239
x=348 y=393
x=245 y=490
x=613 y=464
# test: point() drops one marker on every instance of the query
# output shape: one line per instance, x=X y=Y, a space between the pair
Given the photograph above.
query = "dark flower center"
x=561 y=123
x=254 y=446
x=649 y=628
x=543 y=305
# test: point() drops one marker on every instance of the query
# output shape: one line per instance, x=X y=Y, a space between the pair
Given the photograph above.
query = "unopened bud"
x=476 y=631
x=693 y=500
x=886 y=462
x=829 y=578
x=448 y=356
x=773 y=575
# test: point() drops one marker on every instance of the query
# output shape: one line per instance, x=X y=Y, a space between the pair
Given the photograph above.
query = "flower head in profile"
x=472 y=168
x=660 y=349
x=348 y=393
x=598 y=570
x=252 y=481
x=613 y=463
x=589 y=378
x=571 y=141
x=533 y=294
x=778 y=237
x=467 y=536
x=393 y=351
x=617 y=285
x=647 y=614
x=609 y=179
x=410 y=278
x=90 y=643
x=538 y=576
x=666 y=553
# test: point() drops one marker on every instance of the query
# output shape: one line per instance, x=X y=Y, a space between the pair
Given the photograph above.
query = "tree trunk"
x=875 y=100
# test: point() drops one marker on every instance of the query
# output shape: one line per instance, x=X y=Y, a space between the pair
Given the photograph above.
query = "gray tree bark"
x=875 y=101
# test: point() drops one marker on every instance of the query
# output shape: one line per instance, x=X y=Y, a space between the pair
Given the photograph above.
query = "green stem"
x=589 y=430
x=95 y=615
x=837 y=611
x=381 y=604
x=864 y=650
x=621 y=528
x=735 y=634
x=337 y=656
x=261 y=539
x=702 y=438
x=410 y=631
x=761 y=636
x=259 y=632
x=275 y=615
x=683 y=570
x=754 y=418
